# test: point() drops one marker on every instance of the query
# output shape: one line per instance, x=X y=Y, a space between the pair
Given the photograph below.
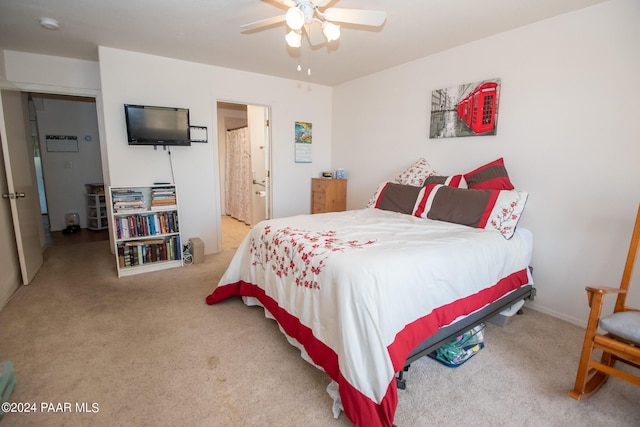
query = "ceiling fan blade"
x=288 y=3
x=263 y=23
x=354 y=16
x=314 y=34
x=322 y=3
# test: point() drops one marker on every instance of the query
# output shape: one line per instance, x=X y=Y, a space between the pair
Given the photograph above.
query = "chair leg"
x=607 y=359
x=585 y=375
x=590 y=380
x=583 y=371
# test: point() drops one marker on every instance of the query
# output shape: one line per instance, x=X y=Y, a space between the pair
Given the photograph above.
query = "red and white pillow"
x=492 y=176
x=498 y=210
x=391 y=196
x=483 y=198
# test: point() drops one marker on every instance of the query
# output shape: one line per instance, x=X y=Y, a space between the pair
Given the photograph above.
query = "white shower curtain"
x=238 y=175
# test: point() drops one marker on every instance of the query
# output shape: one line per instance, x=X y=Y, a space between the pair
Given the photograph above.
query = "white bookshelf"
x=146 y=228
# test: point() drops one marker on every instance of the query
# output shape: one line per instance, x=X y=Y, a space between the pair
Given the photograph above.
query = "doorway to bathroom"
x=245 y=168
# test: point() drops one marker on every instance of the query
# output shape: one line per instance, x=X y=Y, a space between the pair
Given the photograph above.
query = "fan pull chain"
x=299 y=67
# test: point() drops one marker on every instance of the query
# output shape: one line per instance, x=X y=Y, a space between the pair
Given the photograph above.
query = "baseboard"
x=578 y=322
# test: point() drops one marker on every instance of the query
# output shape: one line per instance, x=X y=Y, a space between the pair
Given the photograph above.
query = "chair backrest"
x=628 y=267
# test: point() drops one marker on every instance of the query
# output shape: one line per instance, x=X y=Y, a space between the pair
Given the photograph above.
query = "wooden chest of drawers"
x=328 y=195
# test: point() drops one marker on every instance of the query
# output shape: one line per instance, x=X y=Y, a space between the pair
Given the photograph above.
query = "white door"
x=258 y=121
x=22 y=188
x=267 y=163
x=9 y=263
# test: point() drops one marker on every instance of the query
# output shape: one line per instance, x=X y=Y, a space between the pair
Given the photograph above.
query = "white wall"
x=41 y=72
x=66 y=173
x=567 y=130
x=154 y=80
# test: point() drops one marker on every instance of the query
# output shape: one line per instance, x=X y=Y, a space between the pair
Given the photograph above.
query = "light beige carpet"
x=149 y=352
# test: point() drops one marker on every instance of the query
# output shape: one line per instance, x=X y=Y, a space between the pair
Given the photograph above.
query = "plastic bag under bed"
x=461 y=349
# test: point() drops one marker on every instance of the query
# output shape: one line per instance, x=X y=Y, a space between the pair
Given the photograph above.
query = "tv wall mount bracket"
x=198 y=134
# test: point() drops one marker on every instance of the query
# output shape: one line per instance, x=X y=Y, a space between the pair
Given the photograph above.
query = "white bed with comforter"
x=357 y=291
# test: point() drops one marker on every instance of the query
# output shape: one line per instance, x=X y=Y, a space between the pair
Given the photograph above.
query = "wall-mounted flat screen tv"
x=148 y=125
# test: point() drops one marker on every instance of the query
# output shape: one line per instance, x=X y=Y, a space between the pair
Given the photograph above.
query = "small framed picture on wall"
x=303 y=140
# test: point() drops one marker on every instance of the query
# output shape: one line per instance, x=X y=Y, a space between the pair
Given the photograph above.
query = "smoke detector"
x=49 y=24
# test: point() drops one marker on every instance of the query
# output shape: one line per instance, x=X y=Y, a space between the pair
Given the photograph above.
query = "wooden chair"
x=622 y=340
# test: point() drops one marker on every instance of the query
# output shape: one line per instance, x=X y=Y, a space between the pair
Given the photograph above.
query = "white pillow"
x=416 y=173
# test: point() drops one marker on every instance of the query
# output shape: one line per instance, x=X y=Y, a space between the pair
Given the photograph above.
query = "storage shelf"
x=150 y=237
x=96 y=211
x=148 y=267
x=147 y=236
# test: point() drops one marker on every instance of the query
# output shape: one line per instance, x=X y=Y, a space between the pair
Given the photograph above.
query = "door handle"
x=13 y=195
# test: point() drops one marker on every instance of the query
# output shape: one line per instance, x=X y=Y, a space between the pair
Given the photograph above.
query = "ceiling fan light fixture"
x=307 y=14
x=294 y=38
x=331 y=31
x=295 y=18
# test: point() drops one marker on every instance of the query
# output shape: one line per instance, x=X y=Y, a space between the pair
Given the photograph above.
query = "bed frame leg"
x=401 y=383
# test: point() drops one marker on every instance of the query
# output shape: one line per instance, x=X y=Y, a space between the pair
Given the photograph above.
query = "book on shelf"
x=163 y=203
x=131 y=254
x=125 y=200
x=160 y=202
x=164 y=207
x=130 y=200
x=146 y=224
x=128 y=207
x=126 y=195
x=163 y=196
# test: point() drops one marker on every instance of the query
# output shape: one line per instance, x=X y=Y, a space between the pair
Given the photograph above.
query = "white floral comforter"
x=360 y=289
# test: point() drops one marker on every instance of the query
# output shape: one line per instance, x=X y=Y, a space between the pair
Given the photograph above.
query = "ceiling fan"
x=311 y=17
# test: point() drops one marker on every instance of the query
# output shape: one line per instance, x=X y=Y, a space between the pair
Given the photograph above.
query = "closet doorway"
x=245 y=165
